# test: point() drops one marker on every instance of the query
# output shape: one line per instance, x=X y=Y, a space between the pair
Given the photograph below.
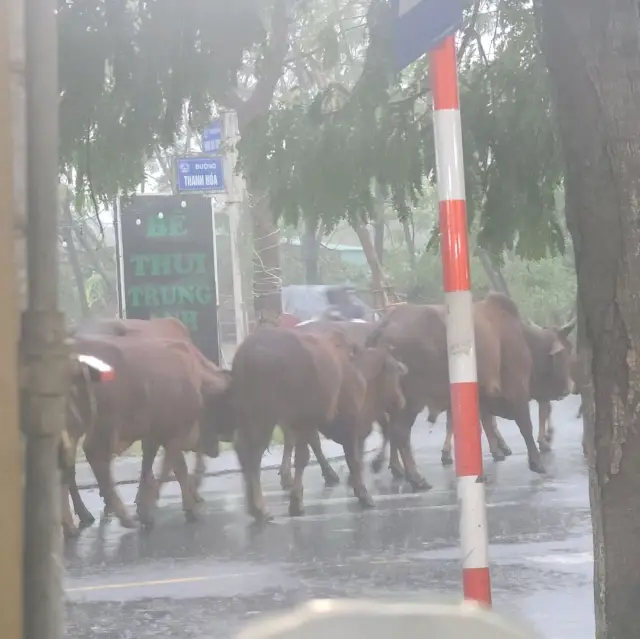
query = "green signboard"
x=167 y=263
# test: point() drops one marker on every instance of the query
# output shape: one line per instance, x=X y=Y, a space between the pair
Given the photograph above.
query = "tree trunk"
x=411 y=244
x=310 y=247
x=267 y=285
x=267 y=278
x=91 y=252
x=496 y=279
x=593 y=53
x=378 y=227
x=381 y=289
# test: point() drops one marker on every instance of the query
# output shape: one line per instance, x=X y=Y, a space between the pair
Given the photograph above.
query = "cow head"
x=558 y=373
x=383 y=374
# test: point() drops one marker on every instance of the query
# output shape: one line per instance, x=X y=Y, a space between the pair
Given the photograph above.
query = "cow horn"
x=569 y=326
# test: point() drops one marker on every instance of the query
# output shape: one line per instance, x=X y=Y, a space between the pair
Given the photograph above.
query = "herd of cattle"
x=327 y=376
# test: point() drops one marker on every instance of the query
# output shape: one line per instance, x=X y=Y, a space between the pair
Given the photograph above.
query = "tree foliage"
x=322 y=149
x=126 y=69
x=341 y=125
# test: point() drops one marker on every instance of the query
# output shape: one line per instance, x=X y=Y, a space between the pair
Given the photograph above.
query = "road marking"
x=159 y=582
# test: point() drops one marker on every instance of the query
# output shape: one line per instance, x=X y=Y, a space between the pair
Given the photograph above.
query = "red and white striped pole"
x=461 y=348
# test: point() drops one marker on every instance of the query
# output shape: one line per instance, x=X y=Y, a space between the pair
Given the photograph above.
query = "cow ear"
x=565 y=331
x=556 y=347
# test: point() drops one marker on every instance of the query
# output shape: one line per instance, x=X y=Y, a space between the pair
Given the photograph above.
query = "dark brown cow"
x=158 y=396
x=515 y=362
x=306 y=382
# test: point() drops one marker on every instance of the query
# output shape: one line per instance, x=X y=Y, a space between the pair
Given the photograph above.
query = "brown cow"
x=169 y=328
x=307 y=382
x=158 y=396
x=356 y=333
x=163 y=327
x=514 y=360
x=551 y=379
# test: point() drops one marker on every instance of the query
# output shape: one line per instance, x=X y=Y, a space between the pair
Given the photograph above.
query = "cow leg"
x=181 y=471
x=545 y=429
x=296 y=505
x=501 y=443
x=101 y=467
x=400 y=434
x=198 y=473
x=354 y=454
x=69 y=528
x=85 y=517
x=149 y=488
x=330 y=476
x=445 y=457
x=70 y=486
x=286 y=478
x=497 y=446
x=381 y=456
x=523 y=420
x=395 y=466
x=250 y=454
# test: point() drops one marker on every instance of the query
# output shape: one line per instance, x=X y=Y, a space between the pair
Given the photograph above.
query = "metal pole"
x=10 y=444
x=463 y=373
x=43 y=351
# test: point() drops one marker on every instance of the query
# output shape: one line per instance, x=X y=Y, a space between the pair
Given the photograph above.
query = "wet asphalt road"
x=192 y=581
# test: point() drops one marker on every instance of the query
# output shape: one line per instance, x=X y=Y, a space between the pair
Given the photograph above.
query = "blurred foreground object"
x=322 y=618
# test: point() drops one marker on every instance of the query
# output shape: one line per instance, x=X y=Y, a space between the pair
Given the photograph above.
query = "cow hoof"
x=396 y=473
x=420 y=485
x=544 y=446
x=498 y=456
x=263 y=518
x=376 y=465
x=446 y=459
x=506 y=451
x=295 y=509
x=87 y=521
x=331 y=479
x=71 y=532
x=128 y=522
x=147 y=522
x=366 y=502
x=191 y=516
x=537 y=467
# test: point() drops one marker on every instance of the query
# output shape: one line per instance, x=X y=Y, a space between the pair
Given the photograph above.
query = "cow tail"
x=92 y=404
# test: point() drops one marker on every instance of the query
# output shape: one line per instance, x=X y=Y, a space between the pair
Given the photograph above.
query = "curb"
x=218 y=473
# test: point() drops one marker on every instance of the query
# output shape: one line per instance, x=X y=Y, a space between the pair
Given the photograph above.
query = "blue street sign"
x=212 y=137
x=199 y=174
x=421 y=25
